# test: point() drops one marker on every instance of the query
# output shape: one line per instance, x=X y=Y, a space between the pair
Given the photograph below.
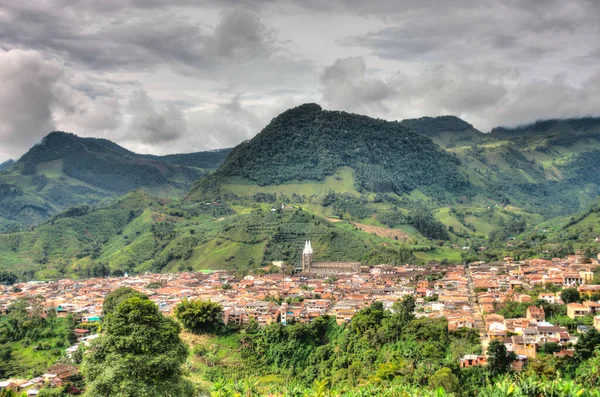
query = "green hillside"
x=359 y=188
x=141 y=233
x=65 y=170
x=475 y=185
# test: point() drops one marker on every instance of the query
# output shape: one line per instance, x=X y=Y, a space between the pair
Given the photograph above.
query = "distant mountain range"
x=359 y=188
x=65 y=170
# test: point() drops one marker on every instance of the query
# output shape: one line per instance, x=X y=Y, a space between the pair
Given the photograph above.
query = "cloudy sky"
x=172 y=76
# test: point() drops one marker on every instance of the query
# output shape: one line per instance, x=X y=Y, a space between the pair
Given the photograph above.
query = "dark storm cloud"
x=36 y=95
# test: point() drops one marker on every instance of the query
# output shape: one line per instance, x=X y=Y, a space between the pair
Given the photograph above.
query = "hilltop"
x=308 y=143
x=65 y=170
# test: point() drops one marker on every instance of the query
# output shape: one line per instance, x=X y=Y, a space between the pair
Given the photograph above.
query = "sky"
x=182 y=75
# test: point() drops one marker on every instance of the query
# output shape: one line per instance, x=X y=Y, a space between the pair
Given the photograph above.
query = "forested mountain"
x=362 y=189
x=65 y=170
x=547 y=167
x=309 y=143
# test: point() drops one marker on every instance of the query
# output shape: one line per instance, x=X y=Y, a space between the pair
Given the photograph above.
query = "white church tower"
x=307 y=257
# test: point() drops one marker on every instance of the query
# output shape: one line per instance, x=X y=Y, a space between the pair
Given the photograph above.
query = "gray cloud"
x=27 y=99
x=347 y=86
x=152 y=124
x=162 y=76
x=517 y=31
x=136 y=37
x=486 y=95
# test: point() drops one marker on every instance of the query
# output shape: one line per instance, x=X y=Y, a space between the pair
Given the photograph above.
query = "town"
x=469 y=296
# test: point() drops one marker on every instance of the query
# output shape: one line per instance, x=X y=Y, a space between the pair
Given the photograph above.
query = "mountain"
x=308 y=143
x=384 y=174
x=362 y=189
x=446 y=131
x=6 y=165
x=65 y=170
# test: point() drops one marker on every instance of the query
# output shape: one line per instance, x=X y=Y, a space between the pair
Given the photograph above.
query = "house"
x=589 y=290
x=597 y=322
x=8 y=385
x=472 y=360
x=593 y=306
x=575 y=310
x=572 y=279
x=548 y=297
x=81 y=333
x=536 y=313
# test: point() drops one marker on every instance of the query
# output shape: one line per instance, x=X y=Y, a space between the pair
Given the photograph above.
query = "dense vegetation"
x=200 y=317
x=139 y=354
x=31 y=340
x=65 y=170
x=377 y=346
x=399 y=198
x=308 y=143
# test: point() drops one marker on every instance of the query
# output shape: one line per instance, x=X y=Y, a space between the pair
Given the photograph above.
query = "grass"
x=341 y=182
x=220 y=254
x=452 y=255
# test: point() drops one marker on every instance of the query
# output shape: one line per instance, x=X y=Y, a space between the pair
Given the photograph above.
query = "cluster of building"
x=496 y=284
x=467 y=296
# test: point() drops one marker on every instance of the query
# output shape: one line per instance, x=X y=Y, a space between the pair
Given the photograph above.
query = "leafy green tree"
x=445 y=379
x=139 y=355
x=115 y=297
x=499 y=358
x=570 y=295
x=587 y=343
x=7 y=278
x=550 y=348
x=200 y=317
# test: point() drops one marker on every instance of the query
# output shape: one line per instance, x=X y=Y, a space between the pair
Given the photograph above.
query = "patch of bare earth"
x=393 y=234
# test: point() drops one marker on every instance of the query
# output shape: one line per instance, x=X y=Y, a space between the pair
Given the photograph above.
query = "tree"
x=140 y=354
x=550 y=348
x=115 y=297
x=200 y=317
x=403 y=314
x=570 y=295
x=7 y=278
x=587 y=343
x=446 y=379
x=499 y=359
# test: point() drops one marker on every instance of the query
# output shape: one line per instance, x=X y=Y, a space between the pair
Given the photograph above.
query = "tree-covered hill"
x=65 y=170
x=309 y=143
x=446 y=131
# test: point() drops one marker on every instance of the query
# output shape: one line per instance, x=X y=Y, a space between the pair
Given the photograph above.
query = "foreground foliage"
x=140 y=354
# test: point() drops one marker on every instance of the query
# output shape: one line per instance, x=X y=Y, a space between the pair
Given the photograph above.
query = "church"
x=325 y=268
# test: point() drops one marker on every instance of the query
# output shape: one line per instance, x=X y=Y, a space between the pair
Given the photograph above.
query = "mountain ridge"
x=65 y=170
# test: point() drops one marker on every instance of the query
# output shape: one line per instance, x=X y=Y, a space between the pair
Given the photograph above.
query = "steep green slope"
x=65 y=170
x=381 y=173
